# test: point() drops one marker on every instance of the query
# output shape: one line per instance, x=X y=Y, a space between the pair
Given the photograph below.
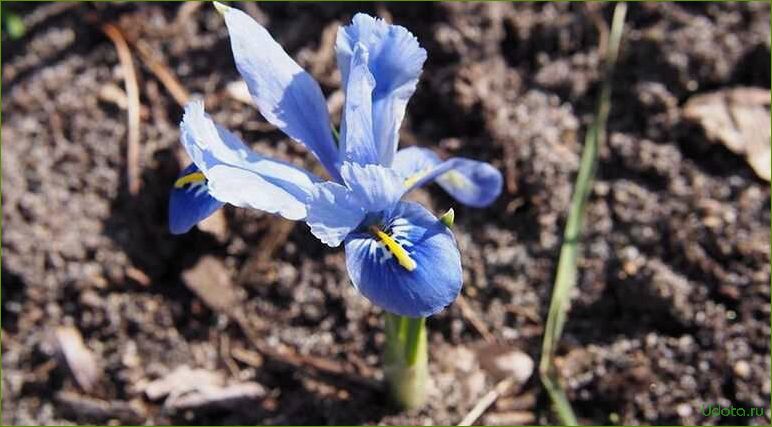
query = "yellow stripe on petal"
x=402 y=256
x=412 y=179
x=191 y=178
x=455 y=179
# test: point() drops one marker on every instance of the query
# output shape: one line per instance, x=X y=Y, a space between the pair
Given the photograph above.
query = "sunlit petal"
x=333 y=211
x=471 y=182
x=395 y=60
x=376 y=187
x=420 y=278
x=238 y=175
x=285 y=94
x=356 y=142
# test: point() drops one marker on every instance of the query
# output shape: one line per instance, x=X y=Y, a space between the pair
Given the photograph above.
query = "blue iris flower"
x=398 y=255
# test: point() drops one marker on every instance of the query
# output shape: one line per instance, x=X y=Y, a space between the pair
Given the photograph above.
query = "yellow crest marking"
x=412 y=179
x=403 y=258
x=191 y=178
x=455 y=178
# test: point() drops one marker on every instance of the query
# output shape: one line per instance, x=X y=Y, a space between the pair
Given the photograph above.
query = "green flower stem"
x=406 y=360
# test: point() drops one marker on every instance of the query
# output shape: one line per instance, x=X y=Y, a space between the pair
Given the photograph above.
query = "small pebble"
x=742 y=369
x=515 y=364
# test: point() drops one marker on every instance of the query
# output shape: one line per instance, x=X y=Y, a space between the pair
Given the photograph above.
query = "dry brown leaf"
x=739 y=119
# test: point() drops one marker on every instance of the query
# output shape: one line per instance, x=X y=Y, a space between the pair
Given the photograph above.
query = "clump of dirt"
x=672 y=306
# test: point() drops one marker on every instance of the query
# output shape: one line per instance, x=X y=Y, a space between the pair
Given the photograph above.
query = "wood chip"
x=182 y=380
x=247 y=357
x=138 y=276
x=511 y=418
x=80 y=360
x=516 y=403
x=206 y=398
x=209 y=280
x=216 y=225
x=502 y=362
x=97 y=410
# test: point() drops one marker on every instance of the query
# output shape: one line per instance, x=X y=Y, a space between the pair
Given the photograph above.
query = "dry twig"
x=471 y=315
x=287 y=356
x=152 y=61
x=487 y=400
x=132 y=92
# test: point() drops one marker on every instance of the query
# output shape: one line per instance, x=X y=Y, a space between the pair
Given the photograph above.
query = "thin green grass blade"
x=565 y=278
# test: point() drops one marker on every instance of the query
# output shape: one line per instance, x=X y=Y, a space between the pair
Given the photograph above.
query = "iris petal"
x=285 y=94
x=471 y=182
x=356 y=142
x=190 y=201
x=238 y=175
x=412 y=161
x=376 y=187
x=433 y=284
x=333 y=211
x=395 y=60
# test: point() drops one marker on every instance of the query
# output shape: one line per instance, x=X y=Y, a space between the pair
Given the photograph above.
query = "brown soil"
x=672 y=309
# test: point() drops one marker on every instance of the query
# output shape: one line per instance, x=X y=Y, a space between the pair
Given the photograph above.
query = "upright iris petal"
x=395 y=60
x=376 y=187
x=334 y=210
x=469 y=181
x=356 y=132
x=382 y=273
x=285 y=94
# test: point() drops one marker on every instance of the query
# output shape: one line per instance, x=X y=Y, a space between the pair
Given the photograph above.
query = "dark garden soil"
x=672 y=308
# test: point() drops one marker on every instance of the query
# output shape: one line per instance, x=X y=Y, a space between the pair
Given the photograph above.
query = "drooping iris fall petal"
x=239 y=176
x=471 y=182
x=190 y=201
x=414 y=270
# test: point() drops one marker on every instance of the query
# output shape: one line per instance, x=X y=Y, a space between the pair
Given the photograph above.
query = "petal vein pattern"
x=239 y=176
x=286 y=95
x=434 y=280
x=395 y=61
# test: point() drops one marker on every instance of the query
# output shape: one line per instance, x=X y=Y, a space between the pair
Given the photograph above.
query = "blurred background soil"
x=106 y=317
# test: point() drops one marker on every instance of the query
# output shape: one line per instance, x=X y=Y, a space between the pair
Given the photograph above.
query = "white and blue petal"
x=419 y=277
x=375 y=187
x=238 y=175
x=414 y=161
x=396 y=61
x=286 y=95
x=190 y=201
x=333 y=211
x=471 y=182
x=356 y=132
